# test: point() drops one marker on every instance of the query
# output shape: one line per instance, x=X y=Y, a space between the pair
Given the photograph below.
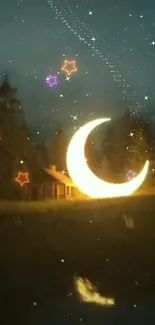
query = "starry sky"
x=112 y=42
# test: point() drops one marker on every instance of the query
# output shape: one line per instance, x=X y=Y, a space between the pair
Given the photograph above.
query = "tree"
x=126 y=145
x=14 y=144
x=42 y=154
x=58 y=148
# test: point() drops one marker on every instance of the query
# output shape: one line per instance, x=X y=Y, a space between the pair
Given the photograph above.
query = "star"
x=74 y=117
x=34 y=303
x=63 y=172
x=130 y=174
x=73 y=68
x=93 y=39
x=51 y=80
x=90 y=13
x=22 y=162
x=153 y=43
x=146 y=97
x=22 y=178
x=68 y=78
x=131 y=134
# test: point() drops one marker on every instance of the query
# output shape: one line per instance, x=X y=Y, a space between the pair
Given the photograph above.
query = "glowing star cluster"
x=51 y=80
x=68 y=67
x=64 y=12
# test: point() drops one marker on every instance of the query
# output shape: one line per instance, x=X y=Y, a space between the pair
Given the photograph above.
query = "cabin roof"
x=59 y=176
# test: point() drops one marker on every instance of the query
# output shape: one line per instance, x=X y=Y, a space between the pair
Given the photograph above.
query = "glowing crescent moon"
x=84 y=178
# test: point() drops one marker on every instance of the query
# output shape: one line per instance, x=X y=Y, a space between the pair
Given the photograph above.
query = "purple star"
x=51 y=80
x=130 y=175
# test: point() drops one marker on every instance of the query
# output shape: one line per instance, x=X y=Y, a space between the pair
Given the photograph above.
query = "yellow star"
x=22 y=178
x=73 y=68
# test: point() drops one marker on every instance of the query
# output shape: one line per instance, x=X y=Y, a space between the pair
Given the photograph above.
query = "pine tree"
x=126 y=145
x=58 y=148
x=14 y=144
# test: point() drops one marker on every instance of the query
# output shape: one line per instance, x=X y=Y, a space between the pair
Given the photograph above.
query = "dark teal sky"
x=33 y=44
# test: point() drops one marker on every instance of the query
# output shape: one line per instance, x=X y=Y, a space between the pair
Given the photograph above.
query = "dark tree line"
x=126 y=145
x=16 y=146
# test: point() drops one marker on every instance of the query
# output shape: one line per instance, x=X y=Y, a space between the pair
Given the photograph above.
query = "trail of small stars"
x=85 y=35
x=19 y=2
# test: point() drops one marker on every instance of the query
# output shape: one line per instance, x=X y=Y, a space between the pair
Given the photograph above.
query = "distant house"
x=51 y=184
x=61 y=186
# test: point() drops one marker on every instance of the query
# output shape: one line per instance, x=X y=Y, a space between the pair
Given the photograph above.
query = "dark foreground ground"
x=95 y=241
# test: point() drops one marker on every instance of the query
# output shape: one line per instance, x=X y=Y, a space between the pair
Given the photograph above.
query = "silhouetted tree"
x=15 y=145
x=42 y=154
x=126 y=144
x=58 y=148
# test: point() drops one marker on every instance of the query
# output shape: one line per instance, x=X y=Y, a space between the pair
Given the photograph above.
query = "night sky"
x=113 y=45
x=111 y=41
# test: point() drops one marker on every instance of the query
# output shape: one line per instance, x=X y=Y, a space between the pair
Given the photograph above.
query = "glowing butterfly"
x=51 y=80
x=89 y=293
x=129 y=223
x=71 y=69
x=22 y=178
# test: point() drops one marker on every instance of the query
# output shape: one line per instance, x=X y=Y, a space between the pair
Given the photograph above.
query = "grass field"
x=11 y=207
x=93 y=241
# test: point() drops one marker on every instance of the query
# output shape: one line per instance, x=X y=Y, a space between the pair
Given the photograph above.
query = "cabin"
x=52 y=184
x=62 y=186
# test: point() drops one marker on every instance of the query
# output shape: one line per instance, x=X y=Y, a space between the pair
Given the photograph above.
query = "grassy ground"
x=94 y=242
x=11 y=207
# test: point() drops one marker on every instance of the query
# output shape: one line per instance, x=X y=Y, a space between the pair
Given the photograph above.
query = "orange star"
x=22 y=178
x=73 y=69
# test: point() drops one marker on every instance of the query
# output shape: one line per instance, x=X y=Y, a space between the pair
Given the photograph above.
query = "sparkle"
x=68 y=78
x=74 y=117
x=34 y=303
x=63 y=172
